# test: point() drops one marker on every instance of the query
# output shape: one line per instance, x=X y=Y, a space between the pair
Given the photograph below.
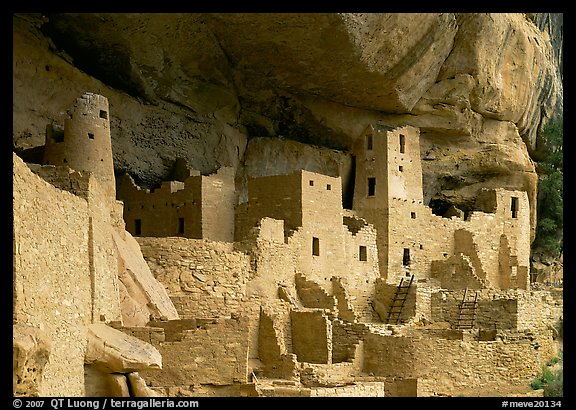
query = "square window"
x=401 y=168
x=90 y=135
x=103 y=114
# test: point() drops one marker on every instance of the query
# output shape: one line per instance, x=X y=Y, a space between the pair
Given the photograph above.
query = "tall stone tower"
x=388 y=176
x=85 y=143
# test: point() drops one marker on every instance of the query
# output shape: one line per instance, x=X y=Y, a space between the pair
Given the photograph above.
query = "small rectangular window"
x=401 y=168
x=180 y=225
x=315 y=246
x=329 y=187
x=368 y=142
x=371 y=186
x=311 y=183
x=514 y=271
x=137 y=227
x=362 y=254
x=103 y=114
x=402 y=143
x=90 y=135
x=406 y=257
x=413 y=215
x=514 y=207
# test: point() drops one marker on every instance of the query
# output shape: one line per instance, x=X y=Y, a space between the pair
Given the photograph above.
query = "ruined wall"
x=476 y=364
x=85 y=143
x=203 y=278
x=311 y=336
x=345 y=338
x=479 y=364
x=159 y=212
x=105 y=219
x=494 y=311
x=364 y=389
x=277 y=197
x=510 y=309
x=51 y=275
x=217 y=352
x=199 y=207
x=218 y=200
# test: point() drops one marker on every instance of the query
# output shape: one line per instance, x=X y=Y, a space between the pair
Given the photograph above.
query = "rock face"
x=30 y=353
x=200 y=86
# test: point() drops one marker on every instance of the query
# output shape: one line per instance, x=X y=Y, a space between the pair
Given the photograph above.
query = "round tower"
x=85 y=143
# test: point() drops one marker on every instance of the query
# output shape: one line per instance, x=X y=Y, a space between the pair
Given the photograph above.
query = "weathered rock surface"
x=30 y=353
x=198 y=86
x=112 y=351
x=142 y=297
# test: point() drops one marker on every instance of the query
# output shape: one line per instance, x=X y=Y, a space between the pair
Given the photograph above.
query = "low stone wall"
x=446 y=366
x=207 y=351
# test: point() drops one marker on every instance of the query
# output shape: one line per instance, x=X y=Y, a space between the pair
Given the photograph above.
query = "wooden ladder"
x=467 y=311
x=398 y=302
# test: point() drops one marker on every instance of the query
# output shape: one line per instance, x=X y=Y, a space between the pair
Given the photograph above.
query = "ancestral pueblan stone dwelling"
x=286 y=294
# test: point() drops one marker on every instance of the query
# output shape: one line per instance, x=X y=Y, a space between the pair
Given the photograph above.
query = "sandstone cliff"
x=204 y=86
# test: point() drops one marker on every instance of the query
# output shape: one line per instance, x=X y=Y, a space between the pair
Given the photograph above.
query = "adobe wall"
x=494 y=311
x=51 y=275
x=479 y=364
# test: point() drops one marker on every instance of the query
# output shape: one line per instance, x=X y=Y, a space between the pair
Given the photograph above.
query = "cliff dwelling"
x=191 y=289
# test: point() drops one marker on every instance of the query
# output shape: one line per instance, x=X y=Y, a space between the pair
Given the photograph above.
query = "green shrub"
x=536 y=383
x=547 y=375
x=554 y=360
x=555 y=388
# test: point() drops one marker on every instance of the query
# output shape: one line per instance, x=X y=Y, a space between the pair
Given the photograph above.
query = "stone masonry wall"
x=203 y=278
x=511 y=309
x=159 y=211
x=475 y=364
x=209 y=351
x=311 y=336
x=51 y=275
x=218 y=199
